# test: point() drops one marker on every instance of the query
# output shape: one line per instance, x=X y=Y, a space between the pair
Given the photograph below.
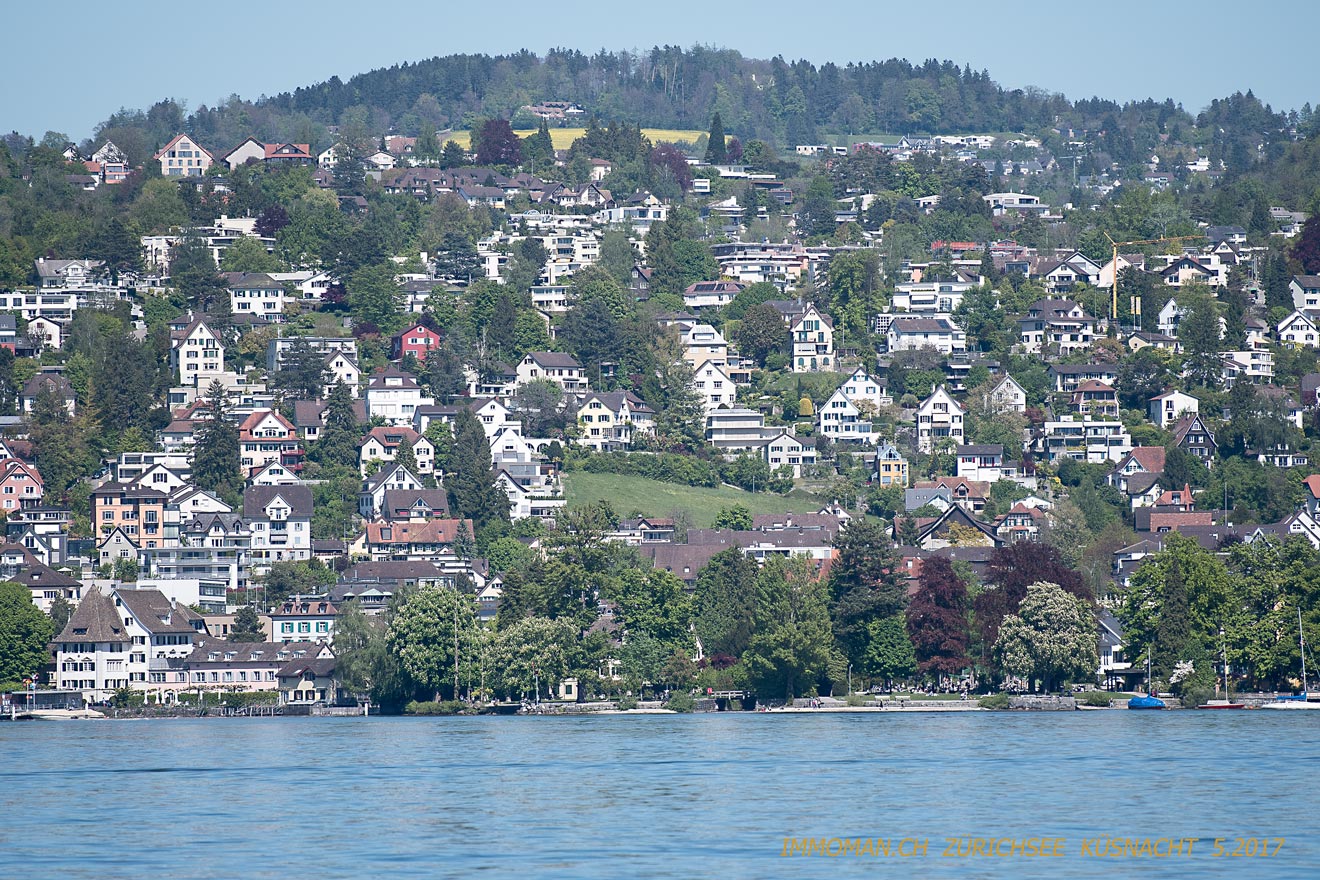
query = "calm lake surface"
x=652 y=796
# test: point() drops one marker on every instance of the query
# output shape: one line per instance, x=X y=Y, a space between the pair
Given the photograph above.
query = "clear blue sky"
x=66 y=67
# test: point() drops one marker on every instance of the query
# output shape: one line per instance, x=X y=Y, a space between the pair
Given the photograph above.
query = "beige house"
x=183 y=157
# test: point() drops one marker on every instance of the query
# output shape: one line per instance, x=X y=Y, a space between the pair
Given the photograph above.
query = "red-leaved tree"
x=937 y=619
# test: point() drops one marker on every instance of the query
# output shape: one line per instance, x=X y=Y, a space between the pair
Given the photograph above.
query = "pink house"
x=417 y=340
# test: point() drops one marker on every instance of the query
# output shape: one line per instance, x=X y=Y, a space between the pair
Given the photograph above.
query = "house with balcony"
x=183 y=157
x=212 y=549
x=889 y=467
x=562 y=369
x=711 y=294
x=839 y=419
x=1084 y=439
x=939 y=422
x=395 y=396
x=930 y=294
x=1094 y=399
x=21 y=486
x=609 y=420
x=701 y=343
x=812 y=336
x=137 y=511
x=1056 y=325
x=267 y=437
x=1254 y=366
x=280 y=518
x=938 y=333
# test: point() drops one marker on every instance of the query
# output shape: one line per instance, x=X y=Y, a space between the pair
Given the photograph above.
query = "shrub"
x=1097 y=698
x=430 y=707
x=681 y=701
x=993 y=701
x=628 y=702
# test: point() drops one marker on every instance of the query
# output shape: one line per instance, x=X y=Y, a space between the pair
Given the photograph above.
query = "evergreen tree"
x=473 y=491
x=426 y=149
x=247 y=626
x=864 y=584
x=716 y=153
x=452 y=156
x=338 y=444
x=216 y=465
x=725 y=600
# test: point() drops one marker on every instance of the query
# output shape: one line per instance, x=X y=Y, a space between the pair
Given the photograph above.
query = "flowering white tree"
x=1051 y=638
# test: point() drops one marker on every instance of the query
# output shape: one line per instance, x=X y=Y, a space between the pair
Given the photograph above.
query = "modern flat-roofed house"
x=562 y=369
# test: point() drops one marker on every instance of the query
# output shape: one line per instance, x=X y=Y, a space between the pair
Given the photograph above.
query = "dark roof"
x=981 y=449
x=555 y=359
x=257 y=498
x=94 y=620
x=406 y=499
x=156 y=613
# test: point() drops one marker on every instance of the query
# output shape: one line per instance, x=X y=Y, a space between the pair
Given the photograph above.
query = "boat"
x=1295 y=701
x=1146 y=700
x=1224 y=703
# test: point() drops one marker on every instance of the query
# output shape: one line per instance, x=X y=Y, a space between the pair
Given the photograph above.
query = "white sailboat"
x=1296 y=701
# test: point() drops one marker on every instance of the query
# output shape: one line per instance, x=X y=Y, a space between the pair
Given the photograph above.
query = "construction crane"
x=1136 y=306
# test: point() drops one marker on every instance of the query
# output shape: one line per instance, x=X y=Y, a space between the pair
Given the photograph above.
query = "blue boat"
x=1145 y=701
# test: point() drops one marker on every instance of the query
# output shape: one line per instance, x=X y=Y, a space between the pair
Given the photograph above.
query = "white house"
x=123 y=638
x=1299 y=328
x=1166 y=408
x=1305 y=290
x=196 y=353
x=786 y=450
x=1008 y=396
x=1056 y=325
x=939 y=421
x=861 y=387
x=394 y=396
x=562 y=369
x=938 y=333
x=840 y=420
x=340 y=366
x=257 y=295
x=812 y=335
x=280 y=518
x=714 y=385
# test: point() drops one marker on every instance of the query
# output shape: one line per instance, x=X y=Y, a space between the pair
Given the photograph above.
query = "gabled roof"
x=156 y=613
x=178 y=137
x=257 y=498
x=94 y=620
x=554 y=359
x=434 y=531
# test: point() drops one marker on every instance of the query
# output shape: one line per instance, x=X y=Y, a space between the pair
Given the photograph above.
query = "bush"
x=858 y=699
x=681 y=701
x=1096 y=698
x=430 y=707
x=994 y=701
x=628 y=702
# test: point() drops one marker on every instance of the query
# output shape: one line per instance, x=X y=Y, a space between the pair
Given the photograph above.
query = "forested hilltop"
x=782 y=103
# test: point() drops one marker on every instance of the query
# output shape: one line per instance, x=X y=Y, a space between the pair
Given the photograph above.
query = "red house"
x=417 y=340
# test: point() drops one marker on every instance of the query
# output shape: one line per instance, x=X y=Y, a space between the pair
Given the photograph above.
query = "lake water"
x=656 y=796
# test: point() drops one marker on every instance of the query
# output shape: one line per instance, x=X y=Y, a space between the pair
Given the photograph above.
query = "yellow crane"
x=1113 y=295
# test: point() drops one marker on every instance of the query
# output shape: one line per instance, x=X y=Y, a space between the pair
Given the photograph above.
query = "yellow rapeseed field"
x=563 y=138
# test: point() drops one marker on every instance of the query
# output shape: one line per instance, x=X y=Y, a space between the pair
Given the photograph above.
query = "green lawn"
x=630 y=495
